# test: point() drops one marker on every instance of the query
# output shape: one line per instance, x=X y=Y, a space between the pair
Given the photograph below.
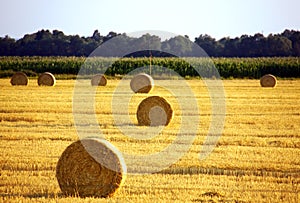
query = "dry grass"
x=268 y=80
x=99 y=80
x=154 y=111
x=142 y=83
x=46 y=79
x=256 y=158
x=19 y=78
x=90 y=167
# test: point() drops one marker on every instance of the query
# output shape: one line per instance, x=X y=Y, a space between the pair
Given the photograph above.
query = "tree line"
x=56 y=43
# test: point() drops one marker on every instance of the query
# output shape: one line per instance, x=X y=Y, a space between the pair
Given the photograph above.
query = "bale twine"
x=46 y=79
x=268 y=81
x=154 y=111
x=99 y=80
x=90 y=167
x=141 y=83
x=19 y=78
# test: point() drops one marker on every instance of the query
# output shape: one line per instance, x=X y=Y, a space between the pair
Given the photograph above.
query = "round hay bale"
x=99 y=80
x=90 y=167
x=141 y=83
x=154 y=111
x=46 y=79
x=19 y=78
x=268 y=81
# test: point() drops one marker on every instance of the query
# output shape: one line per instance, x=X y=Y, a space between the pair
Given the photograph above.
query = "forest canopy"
x=56 y=43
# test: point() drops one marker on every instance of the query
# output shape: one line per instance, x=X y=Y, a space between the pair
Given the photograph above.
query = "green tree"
x=7 y=46
x=209 y=44
x=179 y=46
x=279 y=46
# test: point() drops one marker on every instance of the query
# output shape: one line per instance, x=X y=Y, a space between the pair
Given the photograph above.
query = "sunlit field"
x=256 y=159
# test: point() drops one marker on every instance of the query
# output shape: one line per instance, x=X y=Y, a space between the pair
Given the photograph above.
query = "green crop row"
x=187 y=67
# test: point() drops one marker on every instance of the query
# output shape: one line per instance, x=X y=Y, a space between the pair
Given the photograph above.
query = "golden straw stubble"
x=268 y=80
x=99 y=80
x=46 y=79
x=19 y=78
x=90 y=167
x=154 y=111
x=141 y=83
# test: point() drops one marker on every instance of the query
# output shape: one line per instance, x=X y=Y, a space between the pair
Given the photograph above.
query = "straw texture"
x=46 y=79
x=142 y=83
x=99 y=80
x=154 y=111
x=268 y=81
x=19 y=78
x=90 y=167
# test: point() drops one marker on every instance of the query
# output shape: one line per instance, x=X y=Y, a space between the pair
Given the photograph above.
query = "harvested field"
x=255 y=160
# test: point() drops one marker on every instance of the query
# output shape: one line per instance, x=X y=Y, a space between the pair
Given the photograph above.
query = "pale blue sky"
x=218 y=18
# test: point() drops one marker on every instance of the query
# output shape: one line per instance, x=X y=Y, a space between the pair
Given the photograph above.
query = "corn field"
x=253 y=68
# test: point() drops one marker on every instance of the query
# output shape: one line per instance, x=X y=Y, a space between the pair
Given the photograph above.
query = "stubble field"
x=255 y=160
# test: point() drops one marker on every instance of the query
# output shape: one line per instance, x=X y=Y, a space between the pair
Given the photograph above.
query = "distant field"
x=256 y=158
